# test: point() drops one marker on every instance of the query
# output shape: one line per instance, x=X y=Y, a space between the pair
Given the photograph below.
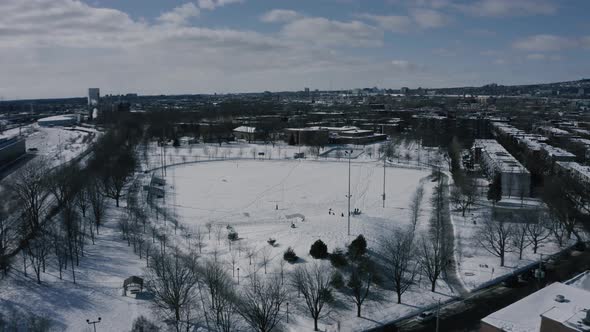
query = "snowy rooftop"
x=245 y=129
x=582 y=141
x=553 y=131
x=525 y=315
x=554 y=151
x=581 y=172
x=500 y=156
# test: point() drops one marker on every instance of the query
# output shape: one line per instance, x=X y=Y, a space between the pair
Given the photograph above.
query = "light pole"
x=93 y=323
x=238 y=275
x=287 y=312
x=349 y=154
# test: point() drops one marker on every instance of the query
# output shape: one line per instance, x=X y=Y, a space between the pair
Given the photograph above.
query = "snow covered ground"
x=477 y=265
x=97 y=292
x=57 y=144
x=261 y=199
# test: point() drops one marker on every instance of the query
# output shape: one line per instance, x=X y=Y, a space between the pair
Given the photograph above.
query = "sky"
x=59 y=48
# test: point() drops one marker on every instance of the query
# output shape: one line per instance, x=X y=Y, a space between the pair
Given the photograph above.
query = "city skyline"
x=58 y=48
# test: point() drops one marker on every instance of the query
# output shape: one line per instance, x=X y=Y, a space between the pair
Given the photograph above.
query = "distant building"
x=314 y=136
x=559 y=307
x=93 y=102
x=307 y=90
x=405 y=90
x=11 y=147
x=59 y=120
x=495 y=160
x=93 y=96
x=246 y=133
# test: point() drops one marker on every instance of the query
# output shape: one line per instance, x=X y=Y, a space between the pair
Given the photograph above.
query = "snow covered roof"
x=245 y=129
x=525 y=315
x=500 y=156
x=66 y=117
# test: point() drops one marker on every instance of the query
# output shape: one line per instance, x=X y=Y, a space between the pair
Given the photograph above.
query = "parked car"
x=426 y=315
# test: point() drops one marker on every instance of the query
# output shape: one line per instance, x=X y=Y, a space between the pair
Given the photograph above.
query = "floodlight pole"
x=348 y=196
x=384 y=158
x=93 y=323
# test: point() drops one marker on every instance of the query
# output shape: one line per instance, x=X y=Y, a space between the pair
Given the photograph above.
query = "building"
x=495 y=160
x=246 y=133
x=11 y=147
x=559 y=307
x=93 y=96
x=357 y=137
x=314 y=136
x=59 y=120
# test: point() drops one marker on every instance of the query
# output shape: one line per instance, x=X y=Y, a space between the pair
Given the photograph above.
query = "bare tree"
x=97 y=203
x=251 y=254
x=29 y=186
x=265 y=257
x=495 y=236
x=398 y=251
x=260 y=302
x=538 y=231
x=434 y=256
x=209 y=225
x=218 y=232
x=416 y=205
x=37 y=251
x=314 y=284
x=173 y=284
x=233 y=261
x=519 y=239
x=199 y=238
x=361 y=279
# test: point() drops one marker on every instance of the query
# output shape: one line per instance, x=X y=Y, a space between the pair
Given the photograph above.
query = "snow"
x=58 y=144
x=246 y=193
x=97 y=292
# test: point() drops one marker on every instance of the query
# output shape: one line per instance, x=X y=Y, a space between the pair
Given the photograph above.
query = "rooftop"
x=525 y=315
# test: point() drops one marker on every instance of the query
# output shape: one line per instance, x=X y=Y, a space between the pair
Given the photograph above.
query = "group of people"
x=355 y=212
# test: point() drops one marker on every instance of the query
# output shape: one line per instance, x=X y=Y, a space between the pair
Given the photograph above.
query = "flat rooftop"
x=525 y=315
x=497 y=152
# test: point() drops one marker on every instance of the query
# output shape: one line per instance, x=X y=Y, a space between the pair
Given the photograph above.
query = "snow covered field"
x=261 y=199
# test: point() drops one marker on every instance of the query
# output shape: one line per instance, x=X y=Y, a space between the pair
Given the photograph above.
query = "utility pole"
x=349 y=153
x=93 y=323
x=437 y=315
x=384 y=158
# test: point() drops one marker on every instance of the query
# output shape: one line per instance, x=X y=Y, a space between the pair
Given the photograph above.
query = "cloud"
x=280 y=16
x=405 y=65
x=56 y=48
x=395 y=23
x=212 y=4
x=319 y=30
x=418 y=18
x=428 y=18
x=540 y=43
x=507 y=8
x=180 y=15
x=540 y=56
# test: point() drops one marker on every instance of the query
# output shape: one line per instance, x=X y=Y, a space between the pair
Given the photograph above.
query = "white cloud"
x=280 y=16
x=418 y=18
x=180 y=15
x=536 y=56
x=395 y=23
x=428 y=18
x=58 y=47
x=212 y=4
x=540 y=43
x=507 y=8
x=322 y=31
